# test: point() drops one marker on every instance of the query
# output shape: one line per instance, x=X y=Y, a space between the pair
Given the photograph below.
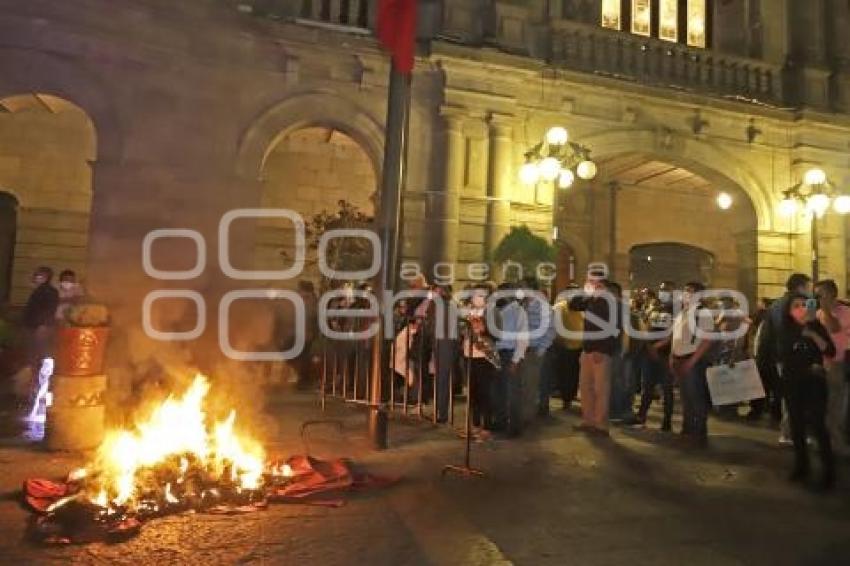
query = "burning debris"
x=175 y=462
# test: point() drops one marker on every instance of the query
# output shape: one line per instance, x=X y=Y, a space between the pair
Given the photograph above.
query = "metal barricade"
x=409 y=392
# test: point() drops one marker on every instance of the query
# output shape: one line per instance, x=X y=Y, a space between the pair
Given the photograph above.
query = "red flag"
x=397 y=31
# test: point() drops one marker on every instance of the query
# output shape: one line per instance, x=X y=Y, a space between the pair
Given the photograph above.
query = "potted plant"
x=81 y=340
x=524 y=249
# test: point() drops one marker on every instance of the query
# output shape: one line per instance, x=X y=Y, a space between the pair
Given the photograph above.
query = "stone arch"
x=313 y=108
x=312 y=171
x=697 y=155
x=27 y=71
x=47 y=145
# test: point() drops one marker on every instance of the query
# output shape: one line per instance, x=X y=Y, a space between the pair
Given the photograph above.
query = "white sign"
x=734 y=384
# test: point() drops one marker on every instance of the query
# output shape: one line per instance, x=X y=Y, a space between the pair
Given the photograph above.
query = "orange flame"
x=176 y=428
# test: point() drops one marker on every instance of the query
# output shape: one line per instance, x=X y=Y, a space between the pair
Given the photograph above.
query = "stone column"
x=775 y=32
x=500 y=182
x=808 y=40
x=840 y=44
x=445 y=204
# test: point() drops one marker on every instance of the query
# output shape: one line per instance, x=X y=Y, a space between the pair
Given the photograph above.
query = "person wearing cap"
x=599 y=345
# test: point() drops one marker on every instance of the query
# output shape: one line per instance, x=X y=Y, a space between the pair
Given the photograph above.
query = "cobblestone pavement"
x=553 y=497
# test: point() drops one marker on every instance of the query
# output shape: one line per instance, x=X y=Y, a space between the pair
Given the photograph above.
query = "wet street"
x=553 y=497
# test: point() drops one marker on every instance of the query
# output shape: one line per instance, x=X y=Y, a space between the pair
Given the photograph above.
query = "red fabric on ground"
x=312 y=478
x=313 y=482
x=40 y=494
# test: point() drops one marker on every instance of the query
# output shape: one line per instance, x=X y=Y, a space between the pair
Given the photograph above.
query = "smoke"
x=143 y=371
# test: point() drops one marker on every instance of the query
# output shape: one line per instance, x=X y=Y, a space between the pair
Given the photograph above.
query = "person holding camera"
x=803 y=347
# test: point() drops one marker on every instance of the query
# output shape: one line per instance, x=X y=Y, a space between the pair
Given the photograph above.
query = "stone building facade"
x=119 y=117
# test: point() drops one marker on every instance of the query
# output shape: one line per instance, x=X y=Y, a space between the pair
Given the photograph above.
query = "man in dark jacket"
x=770 y=337
x=38 y=319
x=599 y=346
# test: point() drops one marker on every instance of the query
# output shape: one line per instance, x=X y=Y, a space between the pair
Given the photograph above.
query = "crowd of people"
x=517 y=361
x=614 y=354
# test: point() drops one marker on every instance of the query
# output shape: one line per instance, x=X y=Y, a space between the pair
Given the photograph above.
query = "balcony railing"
x=652 y=61
x=350 y=15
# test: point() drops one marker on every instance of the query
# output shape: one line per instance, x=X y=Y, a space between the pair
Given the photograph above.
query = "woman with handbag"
x=802 y=350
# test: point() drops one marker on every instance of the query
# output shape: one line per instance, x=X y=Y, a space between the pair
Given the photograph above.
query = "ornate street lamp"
x=814 y=195
x=559 y=161
x=556 y=159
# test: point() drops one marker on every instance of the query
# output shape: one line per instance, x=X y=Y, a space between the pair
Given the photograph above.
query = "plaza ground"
x=553 y=497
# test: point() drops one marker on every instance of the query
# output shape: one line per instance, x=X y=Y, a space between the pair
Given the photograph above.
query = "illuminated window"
x=676 y=21
x=611 y=14
x=668 y=20
x=696 y=23
x=641 y=17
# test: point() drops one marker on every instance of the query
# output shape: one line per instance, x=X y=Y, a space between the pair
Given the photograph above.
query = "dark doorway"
x=650 y=264
x=8 y=229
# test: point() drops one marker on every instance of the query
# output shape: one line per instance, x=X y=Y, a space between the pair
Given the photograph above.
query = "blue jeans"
x=696 y=401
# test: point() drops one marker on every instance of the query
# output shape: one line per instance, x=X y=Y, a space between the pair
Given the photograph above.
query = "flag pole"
x=392 y=187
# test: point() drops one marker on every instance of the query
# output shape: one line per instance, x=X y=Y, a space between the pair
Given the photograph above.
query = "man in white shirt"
x=689 y=362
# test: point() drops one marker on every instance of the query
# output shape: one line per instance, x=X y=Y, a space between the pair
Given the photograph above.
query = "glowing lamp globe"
x=549 y=169
x=817 y=204
x=557 y=136
x=842 y=204
x=788 y=207
x=566 y=179
x=586 y=170
x=814 y=177
x=529 y=174
x=724 y=201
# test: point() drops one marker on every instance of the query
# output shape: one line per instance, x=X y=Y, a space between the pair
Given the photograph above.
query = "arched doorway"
x=311 y=171
x=639 y=199
x=47 y=145
x=8 y=230
x=652 y=264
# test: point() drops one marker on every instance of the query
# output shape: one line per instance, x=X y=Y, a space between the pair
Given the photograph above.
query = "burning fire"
x=172 y=457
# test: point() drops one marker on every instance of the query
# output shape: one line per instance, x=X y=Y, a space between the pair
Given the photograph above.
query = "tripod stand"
x=466 y=470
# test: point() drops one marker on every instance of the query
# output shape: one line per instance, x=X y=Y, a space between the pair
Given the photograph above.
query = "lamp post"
x=559 y=161
x=816 y=195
